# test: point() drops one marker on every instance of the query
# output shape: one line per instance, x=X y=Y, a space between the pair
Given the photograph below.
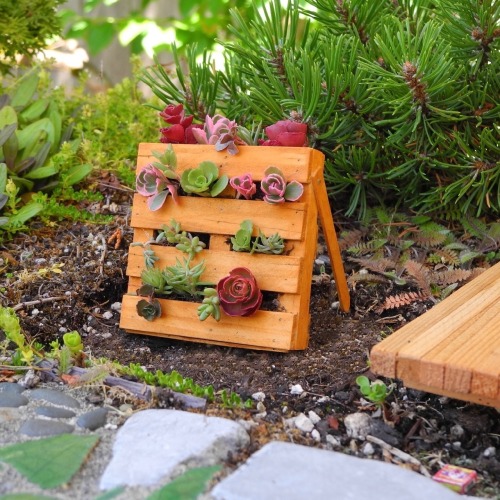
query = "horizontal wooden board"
x=222 y=216
x=273 y=273
x=264 y=329
x=454 y=348
x=293 y=162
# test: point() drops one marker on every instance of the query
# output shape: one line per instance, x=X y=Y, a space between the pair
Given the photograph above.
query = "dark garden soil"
x=68 y=276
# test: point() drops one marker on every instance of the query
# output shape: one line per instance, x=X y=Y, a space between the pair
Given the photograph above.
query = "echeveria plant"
x=286 y=133
x=239 y=294
x=158 y=179
x=277 y=190
x=221 y=132
x=244 y=186
x=204 y=180
x=242 y=240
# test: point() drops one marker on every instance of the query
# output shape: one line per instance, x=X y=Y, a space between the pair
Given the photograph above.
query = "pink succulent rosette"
x=244 y=186
x=286 y=133
x=239 y=294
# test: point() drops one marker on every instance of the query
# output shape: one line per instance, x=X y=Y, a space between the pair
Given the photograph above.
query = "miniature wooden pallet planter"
x=288 y=275
x=453 y=349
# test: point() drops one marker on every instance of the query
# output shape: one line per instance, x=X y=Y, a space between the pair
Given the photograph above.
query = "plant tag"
x=456 y=478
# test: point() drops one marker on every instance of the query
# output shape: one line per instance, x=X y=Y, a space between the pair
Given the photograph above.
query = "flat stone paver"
x=295 y=472
x=155 y=444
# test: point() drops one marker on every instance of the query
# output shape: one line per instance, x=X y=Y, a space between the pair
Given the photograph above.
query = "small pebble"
x=303 y=423
x=314 y=417
x=54 y=412
x=457 y=431
x=92 y=420
x=107 y=315
x=368 y=449
x=12 y=400
x=457 y=445
x=316 y=435
x=35 y=312
x=258 y=396
x=54 y=397
x=358 y=425
x=491 y=451
x=296 y=389
x=261 y=407
x=11 y=387
x=116 y=306
x=332 y=440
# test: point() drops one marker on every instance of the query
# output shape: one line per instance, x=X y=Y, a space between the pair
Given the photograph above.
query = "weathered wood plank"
x=273 y=273
x=263 y=329
x=222 y=216
x=293 y=162
x=453 y=349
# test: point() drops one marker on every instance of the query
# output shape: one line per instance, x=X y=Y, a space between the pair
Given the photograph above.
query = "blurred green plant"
x=200 y=22
x=25 y=27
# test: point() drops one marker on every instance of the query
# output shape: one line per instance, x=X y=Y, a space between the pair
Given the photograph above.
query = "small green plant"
x=233 y=400
x=9 y=324
x=242 y=241
x=376 y=391
x=204 y=180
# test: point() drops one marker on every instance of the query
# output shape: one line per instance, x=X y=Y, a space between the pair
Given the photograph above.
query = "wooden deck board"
x=453 y=349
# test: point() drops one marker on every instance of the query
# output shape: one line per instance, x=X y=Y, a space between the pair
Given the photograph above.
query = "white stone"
x=333 y=441
x=316 y=435
x=35 y=312
x=295 y=472
x=303 y=423
x=296 y=389
x=491 y=451
x=155 y=445
x=457 y=431
x=258 y=396
x=116 y=306
x=358 y=425
x=261 y=406
x=368 y=449
x=107 y=315
x=314 y=417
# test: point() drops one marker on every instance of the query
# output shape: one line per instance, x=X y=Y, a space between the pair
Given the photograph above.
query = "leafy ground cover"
x=66 y=276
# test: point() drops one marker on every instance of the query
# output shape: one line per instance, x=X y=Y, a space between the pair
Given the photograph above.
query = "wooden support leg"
x=332 y=244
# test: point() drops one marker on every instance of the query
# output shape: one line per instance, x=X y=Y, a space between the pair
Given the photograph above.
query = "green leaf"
x=3 y=177
x=49 y=462
x=76 y=173
x=34 y=110
x=188 y=486
x=219 y=186
x=8 y=116
x=42 y=172
x=25 y=213
x=25 y=91
x=100 y=36
x=30 y=134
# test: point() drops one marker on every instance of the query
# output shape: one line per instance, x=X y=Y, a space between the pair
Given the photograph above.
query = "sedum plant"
x=242 y=241
x=402 y=97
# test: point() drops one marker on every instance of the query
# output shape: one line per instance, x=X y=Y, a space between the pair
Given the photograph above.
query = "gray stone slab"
x=296 y=472
x=12 y=400
x=54 y=397
x=37 y=427
x=11 y=387
x=155 y=445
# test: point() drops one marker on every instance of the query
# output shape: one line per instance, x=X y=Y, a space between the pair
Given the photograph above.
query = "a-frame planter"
x=288 y=275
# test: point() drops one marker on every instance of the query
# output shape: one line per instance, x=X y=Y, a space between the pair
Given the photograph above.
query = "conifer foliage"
x=401 y=95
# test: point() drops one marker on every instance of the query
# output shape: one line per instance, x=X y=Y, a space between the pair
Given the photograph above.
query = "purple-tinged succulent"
x=277 y=190
x=149 y=309
x=221 y=132
x=153 y=183
x=181 y=126
x=286 y=133
x=244 y=186
x=239 y=294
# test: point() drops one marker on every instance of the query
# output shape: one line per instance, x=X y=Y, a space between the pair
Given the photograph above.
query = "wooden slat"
x=293 y=162
x=453 y=349
x=264 y=329
x=273 y=273
x=222 y=216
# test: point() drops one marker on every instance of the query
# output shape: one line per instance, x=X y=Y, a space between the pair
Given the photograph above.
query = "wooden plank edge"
x=267 y=329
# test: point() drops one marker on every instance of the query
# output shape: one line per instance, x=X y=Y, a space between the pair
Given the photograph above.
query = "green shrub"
x=402 y=97
x=25 y=27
